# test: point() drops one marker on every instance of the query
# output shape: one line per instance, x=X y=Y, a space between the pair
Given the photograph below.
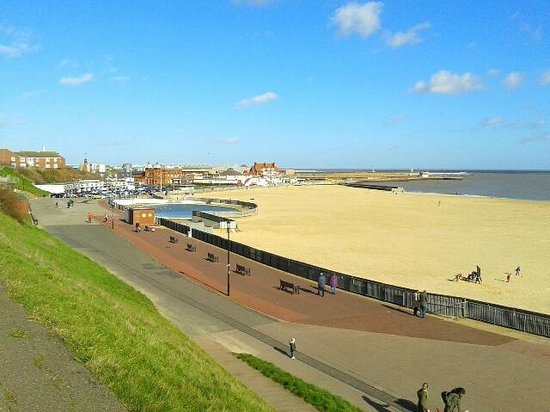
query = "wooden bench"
x=191 y=248
x=291 y=287
x=243 y=270
x=174 y=239
x=213 y=258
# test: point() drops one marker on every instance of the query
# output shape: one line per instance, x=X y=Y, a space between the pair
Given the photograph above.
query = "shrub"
x=14 y=205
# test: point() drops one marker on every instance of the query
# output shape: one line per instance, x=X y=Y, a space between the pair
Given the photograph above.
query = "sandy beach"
x=419 y=241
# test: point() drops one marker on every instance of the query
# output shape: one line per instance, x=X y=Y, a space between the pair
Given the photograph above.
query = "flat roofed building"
x=41 y=160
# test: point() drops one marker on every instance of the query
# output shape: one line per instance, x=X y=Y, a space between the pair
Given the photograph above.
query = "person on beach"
x=292 y=346
x=508 y=276
x=321 y=282
x=422 y=394
x=518 y=270
x=423 y=303
x=333 y=282
x=89 y=217
x=452 y=400
x=138 y=227
x=106 y=217
x=416 y=303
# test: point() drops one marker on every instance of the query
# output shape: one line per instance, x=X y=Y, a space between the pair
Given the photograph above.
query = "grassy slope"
x=113 y=329
x=21 y=182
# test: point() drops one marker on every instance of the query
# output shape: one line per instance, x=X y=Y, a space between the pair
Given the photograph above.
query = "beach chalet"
x=43 y=160
x=144 y=215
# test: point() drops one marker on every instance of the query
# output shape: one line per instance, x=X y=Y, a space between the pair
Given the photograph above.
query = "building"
x=157 y=176
x=42 y=160
x=267 y=170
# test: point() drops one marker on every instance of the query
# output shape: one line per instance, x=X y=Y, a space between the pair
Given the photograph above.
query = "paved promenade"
x=372 y=353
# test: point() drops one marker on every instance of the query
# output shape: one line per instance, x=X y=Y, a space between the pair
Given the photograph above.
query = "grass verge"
x=112 y=329
x=319 y=398
x=21 y=182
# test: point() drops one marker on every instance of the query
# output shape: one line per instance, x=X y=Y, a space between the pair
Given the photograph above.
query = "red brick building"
x=265 y=170
x=42 y=160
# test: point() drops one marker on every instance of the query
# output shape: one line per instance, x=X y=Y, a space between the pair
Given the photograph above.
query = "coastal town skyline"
x=324 y=85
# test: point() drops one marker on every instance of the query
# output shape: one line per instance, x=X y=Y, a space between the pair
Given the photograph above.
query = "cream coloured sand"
x=413 y=240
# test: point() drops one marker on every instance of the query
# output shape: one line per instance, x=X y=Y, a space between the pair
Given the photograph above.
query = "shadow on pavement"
x=282 y=351
x=407 y=405
x=382 y=407
x=406 y=311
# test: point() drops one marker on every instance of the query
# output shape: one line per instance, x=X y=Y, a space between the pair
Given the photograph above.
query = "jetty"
x=364 y=185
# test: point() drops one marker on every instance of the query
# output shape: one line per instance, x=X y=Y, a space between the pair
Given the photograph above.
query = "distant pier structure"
x=365 y=185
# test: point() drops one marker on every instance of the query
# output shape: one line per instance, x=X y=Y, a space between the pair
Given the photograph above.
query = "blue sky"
x=303 y=83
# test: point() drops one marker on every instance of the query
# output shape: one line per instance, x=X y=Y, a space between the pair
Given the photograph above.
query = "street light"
x=228 y=263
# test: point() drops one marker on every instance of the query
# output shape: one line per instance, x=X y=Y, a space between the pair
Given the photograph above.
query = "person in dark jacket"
x=452 y=403
x=292 y=347
x=321 y=282
x=422 y=394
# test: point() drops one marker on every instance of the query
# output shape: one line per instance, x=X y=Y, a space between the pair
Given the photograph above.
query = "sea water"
x=511 y=185
x=527 y=185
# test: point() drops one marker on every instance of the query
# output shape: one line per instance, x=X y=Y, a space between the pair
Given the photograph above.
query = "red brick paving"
x=260 y=292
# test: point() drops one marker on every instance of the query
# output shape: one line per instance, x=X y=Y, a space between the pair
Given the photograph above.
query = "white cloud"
x=445 y=82
x=14 y=50
x=412 y=36
x=257 y=100
x=545 y=78
x=29 y=95
x=513 y=80
x=76 y=81
x=361 y=19
x=14 y=43
x=493 y=72
x=493 y=122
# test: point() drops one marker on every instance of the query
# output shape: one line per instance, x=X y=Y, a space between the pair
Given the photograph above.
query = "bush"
x=14 y=205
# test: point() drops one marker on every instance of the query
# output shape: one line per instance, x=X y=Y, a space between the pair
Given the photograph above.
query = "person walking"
x=321 y=282
x=333 y=282
x=292 y=346
x=452 y=400
x=423 y=303
x=422 y=394
x=518 y=270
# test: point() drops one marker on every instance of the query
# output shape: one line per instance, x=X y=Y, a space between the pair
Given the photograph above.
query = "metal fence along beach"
x=450 y=306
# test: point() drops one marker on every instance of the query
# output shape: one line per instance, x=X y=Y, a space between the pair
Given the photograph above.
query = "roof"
x=258 y=168
x=38 y=154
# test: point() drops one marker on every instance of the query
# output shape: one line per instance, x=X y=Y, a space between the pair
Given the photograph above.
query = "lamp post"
x=228 y=264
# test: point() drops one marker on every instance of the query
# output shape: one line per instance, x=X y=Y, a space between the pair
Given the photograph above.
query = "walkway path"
x=372 y=353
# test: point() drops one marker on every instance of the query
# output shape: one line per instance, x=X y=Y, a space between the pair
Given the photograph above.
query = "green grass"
x=18 y=333
x=39 y=361
x=112 y=329
x=319 y=398
x=21 y=182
